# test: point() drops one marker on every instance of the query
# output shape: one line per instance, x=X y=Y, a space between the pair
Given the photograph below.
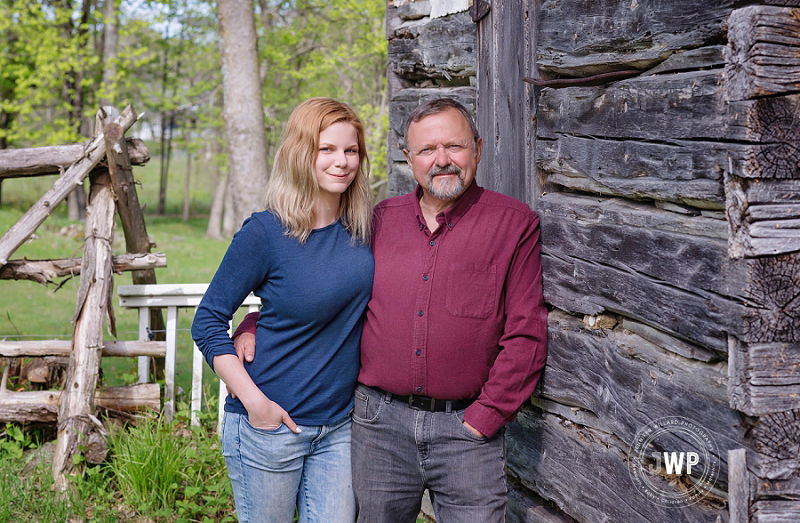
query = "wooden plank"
x=763 y=52
x=776 y=511
x=738 y=486
x=584 y=472
x=42 y=348
x=503 y=99
x=44 y=271
x=681 y=106
x=524 y=506
x=763 y=378
x=440 y=49
x=661 y=268
x=681 y=171
x=627 y=382
x=581 y=38
x=55 y=159
x=34 y=217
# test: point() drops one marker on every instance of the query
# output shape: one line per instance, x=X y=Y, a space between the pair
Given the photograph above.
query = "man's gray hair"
x=439 y=105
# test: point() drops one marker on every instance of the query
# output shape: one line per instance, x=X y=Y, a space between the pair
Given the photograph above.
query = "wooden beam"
x=22 y=230
x=41 y=348
x=44 y=271
x=42 y=405
x=55 y=159
x=738 y=486
x=763 y=52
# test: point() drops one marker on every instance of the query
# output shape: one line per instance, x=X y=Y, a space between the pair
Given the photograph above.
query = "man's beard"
x=447 y=189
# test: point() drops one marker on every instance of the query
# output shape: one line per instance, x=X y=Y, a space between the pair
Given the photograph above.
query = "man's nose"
x=442 y=158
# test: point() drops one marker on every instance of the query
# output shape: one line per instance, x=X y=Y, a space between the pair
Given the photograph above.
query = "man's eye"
x=455 y=147
x=425 y=151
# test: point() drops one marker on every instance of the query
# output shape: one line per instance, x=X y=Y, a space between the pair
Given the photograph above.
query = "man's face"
x=442 y=155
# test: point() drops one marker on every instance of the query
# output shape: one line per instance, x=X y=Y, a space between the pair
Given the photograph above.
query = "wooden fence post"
x=75 y=416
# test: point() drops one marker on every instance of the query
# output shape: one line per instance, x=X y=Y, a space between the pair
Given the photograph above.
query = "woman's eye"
x=352 y=151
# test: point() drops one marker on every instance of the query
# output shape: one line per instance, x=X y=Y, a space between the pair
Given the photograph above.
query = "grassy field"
x=29 y=311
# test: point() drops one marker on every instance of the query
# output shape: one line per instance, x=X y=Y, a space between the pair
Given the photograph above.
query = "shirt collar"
x=453 y=213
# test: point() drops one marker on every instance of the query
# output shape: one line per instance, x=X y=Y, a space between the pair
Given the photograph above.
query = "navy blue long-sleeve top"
x=313 y=297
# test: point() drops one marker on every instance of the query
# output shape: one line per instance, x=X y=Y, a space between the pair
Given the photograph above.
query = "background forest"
x=60 y=60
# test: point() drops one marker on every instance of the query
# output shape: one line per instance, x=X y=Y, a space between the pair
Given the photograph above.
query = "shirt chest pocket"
x=471 y=290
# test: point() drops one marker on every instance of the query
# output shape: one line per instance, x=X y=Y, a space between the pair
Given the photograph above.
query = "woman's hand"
x=267 y=415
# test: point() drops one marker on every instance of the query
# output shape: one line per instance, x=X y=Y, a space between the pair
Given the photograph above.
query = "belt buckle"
x=418 y=403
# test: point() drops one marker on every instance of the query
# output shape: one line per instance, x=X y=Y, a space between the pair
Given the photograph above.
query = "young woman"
x=286 y=431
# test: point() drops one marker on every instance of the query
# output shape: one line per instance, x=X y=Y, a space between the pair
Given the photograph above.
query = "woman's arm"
x=262 y=413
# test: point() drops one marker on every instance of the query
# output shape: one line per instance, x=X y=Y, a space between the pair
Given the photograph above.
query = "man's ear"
x=407 y=156
x=478 y=149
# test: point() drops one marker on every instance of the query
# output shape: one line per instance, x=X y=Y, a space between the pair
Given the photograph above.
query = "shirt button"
x=425 y=277
x=418 y=352
x=419 y=313
x=419 y=389
x=450 y=225
x=433 y=243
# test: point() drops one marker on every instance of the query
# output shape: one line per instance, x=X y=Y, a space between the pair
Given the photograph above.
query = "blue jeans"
x=272 y=471
x=398 y=452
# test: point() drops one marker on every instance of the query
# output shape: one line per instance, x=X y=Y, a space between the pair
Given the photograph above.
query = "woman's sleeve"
x=243 y=269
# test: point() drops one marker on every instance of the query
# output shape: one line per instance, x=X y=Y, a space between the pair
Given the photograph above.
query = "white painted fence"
x=173 y=297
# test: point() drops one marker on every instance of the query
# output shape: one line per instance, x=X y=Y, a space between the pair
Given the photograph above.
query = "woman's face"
x=337 y=159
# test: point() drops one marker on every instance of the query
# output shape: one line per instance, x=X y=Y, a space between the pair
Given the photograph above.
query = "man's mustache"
x=444 y=169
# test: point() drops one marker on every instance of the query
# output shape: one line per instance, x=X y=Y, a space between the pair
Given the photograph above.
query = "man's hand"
x=473 y=430
x=245 y=345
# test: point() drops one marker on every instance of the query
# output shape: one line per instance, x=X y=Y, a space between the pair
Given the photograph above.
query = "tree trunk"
x=242 y=109
x=110 y=27
x=218 y=198
x=187 y=176
x=229 y=223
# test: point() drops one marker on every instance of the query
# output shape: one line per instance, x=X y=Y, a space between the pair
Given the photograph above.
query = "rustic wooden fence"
x=112 y=189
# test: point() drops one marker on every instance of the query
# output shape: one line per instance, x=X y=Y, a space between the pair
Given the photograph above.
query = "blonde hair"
x=293 y=188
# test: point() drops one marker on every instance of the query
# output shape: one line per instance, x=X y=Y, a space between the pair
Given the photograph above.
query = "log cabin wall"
x=670 y=207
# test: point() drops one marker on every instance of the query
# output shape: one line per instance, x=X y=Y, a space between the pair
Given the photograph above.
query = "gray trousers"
x=397 y=452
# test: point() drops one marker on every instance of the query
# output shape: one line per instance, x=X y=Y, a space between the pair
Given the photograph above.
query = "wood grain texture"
x=580 y=38
x=661 y=268
x=584 y=472
x=627 y=382
x=773 y=300
x=777 y=440
x=763 y=52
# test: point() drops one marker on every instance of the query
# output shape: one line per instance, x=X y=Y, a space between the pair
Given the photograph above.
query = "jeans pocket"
x=277 y=430
x=458 y=416
x=366 y=408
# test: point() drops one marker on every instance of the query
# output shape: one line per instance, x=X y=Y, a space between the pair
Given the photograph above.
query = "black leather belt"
x=431 y=404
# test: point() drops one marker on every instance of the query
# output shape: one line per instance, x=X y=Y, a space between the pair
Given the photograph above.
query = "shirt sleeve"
x=243 y=269
x=523 y=344
x=248 y=324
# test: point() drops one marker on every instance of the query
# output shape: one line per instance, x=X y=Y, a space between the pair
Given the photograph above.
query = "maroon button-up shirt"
x=458 y=312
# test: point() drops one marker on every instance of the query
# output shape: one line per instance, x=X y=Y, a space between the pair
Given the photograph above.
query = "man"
x=454 y=339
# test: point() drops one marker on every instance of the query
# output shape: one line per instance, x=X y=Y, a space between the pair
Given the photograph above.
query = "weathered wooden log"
x=773 y=305
x=34 y=217
x=96 y=448
x=627 y=382
x=682 y=171
x=55 y=159
x=41 y=348
x=42 y=405
x=133 y=224
x=92 y=308
x=44 y=271
x=763 y=377
x=435 y=48
x=584 y=472
x=583 y=38
x=777 y=440
x=763 y=52
x=776 y=511
x=524 y=506
x=664 y=269
x=738 y=486
x=505 y=119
